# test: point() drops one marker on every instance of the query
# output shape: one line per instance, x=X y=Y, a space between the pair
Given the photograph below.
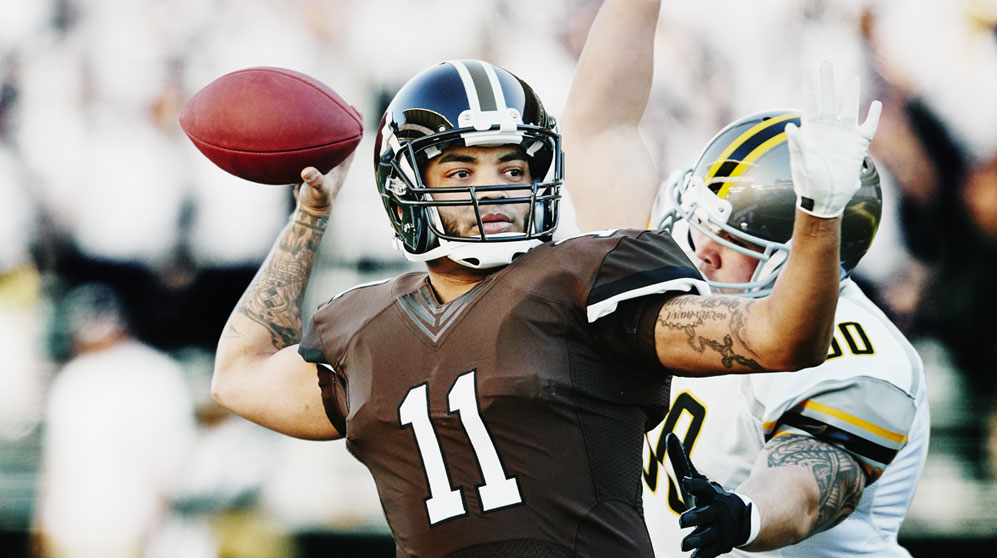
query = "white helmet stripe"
x=496 y=86
x=469 y=88
x=484 y=91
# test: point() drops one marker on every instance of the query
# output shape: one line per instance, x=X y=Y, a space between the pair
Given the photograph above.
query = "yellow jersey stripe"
x=841 y=415
x=855 y=421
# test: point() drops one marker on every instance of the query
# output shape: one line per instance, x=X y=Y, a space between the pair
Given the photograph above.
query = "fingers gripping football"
x=827 y=150
x=317 y=192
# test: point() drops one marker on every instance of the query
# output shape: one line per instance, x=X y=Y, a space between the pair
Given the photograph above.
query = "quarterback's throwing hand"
x=827 y=150
x=722 y=519
x=316 y=192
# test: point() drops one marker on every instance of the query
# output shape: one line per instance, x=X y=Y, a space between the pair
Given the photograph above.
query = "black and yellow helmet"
x=748 y=194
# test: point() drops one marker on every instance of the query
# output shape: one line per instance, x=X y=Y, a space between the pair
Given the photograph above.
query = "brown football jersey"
x=501 y=423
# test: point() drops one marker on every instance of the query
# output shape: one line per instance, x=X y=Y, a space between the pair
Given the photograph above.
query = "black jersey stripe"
x=842 y=438
x=640 y=280
x=312 y=354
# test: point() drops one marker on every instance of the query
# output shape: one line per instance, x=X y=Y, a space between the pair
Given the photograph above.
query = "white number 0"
x=444 y=501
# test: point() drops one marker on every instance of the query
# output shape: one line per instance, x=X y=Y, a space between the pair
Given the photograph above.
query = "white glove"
x=827 y=150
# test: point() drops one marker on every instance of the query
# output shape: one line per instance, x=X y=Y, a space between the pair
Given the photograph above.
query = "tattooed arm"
x=788 y=330
x=802 y=486
x=259 y=374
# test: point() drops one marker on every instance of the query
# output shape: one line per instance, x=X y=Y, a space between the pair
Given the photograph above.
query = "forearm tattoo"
x=687 y=313
x=839 y=478
x=274 y=298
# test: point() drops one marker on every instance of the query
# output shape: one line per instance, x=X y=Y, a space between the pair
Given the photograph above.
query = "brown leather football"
x=265 y=124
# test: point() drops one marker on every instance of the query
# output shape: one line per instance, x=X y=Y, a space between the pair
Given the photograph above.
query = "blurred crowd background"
x=122 y=249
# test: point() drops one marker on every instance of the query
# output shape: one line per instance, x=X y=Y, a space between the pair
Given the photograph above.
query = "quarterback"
x=500 y=399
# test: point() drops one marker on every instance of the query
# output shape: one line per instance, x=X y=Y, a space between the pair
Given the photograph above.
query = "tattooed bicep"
x=713 y=326
x=840 y=479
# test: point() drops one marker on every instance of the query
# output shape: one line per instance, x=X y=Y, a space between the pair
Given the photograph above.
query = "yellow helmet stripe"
x=745 y=162
x=748 y=140
x=750 y=133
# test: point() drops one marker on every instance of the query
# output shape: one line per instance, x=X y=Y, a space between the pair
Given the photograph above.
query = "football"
x=265 y=124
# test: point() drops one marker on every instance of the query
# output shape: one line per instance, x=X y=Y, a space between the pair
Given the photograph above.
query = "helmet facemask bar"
x=702 y=210
x=408 y=190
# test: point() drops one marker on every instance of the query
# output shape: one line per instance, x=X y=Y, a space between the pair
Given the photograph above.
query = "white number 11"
x=444 y=501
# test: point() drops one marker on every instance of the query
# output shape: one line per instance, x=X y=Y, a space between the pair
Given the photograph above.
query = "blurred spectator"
x=119 y=423
x=936 y=138
x=216 y=508
x=22 y=367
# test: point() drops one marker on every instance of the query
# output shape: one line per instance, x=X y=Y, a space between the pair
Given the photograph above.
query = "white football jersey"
x=868 y=398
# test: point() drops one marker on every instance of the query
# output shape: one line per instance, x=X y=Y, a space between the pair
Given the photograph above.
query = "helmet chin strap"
x=478 y=255
x=475 y=255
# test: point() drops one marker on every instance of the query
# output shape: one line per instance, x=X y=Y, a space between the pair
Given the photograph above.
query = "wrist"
x=809 y=225
x=755 y=523
x=315 y=219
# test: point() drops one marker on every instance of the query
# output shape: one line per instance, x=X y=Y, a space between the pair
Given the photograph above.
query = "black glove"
x=722 y=520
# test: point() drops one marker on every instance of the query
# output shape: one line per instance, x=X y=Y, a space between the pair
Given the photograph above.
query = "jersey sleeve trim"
x=313 y=344
x=361 y=286
x=312 y=354
x=657 y=281
x=821 y=409
x=854 y=444
x=868 y=418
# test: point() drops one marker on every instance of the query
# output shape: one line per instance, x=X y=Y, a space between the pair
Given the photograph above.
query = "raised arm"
x=792 y=327
x=607 y=158
x=259 y=374
x=787 y=330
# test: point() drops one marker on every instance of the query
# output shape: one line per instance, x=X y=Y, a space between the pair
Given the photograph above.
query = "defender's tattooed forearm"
x=687 y=313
